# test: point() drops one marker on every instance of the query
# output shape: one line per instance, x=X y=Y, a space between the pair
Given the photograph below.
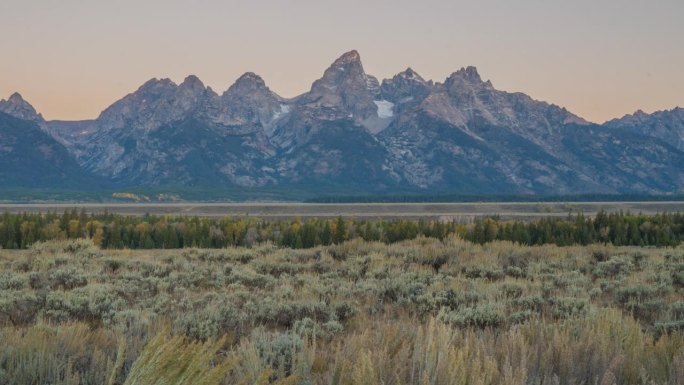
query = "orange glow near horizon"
x=73 y=59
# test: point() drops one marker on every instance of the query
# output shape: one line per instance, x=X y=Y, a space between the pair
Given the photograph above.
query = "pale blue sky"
x=600 y=59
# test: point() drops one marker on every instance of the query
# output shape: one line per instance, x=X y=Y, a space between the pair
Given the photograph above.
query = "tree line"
x=619 y=229
x=113 y=231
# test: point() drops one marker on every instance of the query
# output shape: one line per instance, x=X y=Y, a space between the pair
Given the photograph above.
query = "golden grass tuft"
x=177 y=361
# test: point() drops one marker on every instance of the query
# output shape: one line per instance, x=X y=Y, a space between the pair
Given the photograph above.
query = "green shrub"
x=24 y=265
x=19 y=308
x=308 y=328
x=639 y=260
x=481 y=316
x=67 y=278
x=515 y=272
x=646 y=310
x=286 y=313
x=511 y=290
x=678 y=278
x=613 y=267
x=515 y=258
x=600 y=255
x=674 y=258
x=10 y=281
x=677 y=310
x=635 y=293
x=113 y=265
x=491 y=274
x=520 y=317
x=568 y=307
x=453 y=299
x=669 y=327
x=277 y=269
x=251 y=279
x=532 y=303
x=344 y=311
x=278 y=351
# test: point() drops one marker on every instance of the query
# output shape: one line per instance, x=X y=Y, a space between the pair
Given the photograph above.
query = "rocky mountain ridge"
x=351 y=133
x=666 y=125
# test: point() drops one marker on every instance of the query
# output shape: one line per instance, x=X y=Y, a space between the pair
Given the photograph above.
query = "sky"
x=600 y=59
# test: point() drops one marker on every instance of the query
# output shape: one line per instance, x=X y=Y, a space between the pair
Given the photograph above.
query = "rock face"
x=344 y=93
x=326 y=138
x=466 y=136
x=249 y=103
x=168 y=134
x=352 y=134
x=345 y=90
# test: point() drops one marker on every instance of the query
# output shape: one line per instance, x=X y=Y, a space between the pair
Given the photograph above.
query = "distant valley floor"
x=463 y=212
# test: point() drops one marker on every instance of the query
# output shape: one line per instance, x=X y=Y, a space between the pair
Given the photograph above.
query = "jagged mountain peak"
x=193 y=88
x=156 y=83
x=346 y=68
x=410 y=74
x=16 y=98
x=640 y=115
x=667 y=125
x=193 y=82
x=248 y=82
x=467 y=81
x=468 y=74
x=405 y=87
x=155 y=103
x=675 y=110
x=348 y=58
x=344 y=88
x=250 y=103
x=251 y=76
x=18 y=107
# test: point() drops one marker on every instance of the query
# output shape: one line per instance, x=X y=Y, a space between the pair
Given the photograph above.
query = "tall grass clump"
x=177 y=361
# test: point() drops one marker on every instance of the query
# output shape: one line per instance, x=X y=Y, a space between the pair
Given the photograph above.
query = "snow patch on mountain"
x=284 y=110
x=385 y=108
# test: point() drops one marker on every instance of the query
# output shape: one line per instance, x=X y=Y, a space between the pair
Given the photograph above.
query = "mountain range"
x=349 y=134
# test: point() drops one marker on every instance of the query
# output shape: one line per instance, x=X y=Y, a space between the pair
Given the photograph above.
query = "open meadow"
x=419 y=311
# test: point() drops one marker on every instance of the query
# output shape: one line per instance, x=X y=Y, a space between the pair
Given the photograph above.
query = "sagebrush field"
x=421 y=311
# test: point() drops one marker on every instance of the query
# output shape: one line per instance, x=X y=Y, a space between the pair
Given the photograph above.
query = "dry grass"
x=414 y=312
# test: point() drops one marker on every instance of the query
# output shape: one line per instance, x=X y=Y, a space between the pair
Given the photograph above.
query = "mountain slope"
x=29 y=157
x=626 y=162
x=350 y=133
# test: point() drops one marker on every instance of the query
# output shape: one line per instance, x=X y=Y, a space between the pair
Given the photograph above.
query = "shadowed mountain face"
x=29 y=157
x=354 y=134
